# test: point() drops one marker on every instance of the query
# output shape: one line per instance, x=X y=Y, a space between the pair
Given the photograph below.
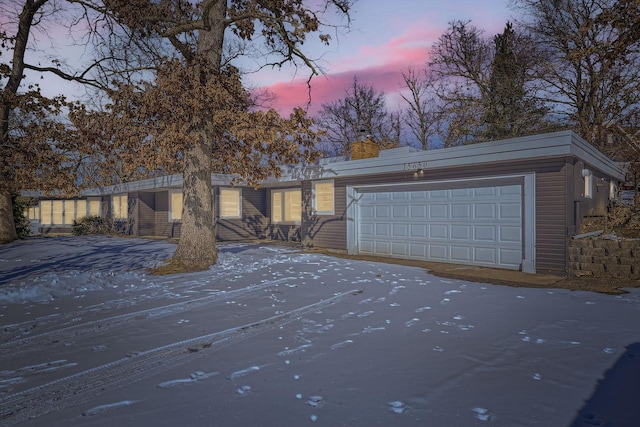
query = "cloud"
x=378 y=66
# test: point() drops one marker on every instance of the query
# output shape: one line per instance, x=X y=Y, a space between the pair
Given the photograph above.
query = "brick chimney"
x=364 y=148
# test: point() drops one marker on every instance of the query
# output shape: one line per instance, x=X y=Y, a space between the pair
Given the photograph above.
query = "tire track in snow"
x=73 y=389
x=41 y=341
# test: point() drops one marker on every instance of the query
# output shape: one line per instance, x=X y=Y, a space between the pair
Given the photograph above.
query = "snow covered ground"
x=274 y=337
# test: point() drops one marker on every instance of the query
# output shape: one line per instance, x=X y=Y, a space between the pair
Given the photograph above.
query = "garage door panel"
x=382 y=230
x=461 y=211
x=460 y=232
x=480 y=226
x=366 y=230
x=382 y=247
x=399 y=249
x=438 y=252
x=510 y=256
x=460 y=193
x=484 y=211
x=461 y=254
x=485 y=191
x=510 y=211
x=438 y=231
x=485 y=255
x=399 y=230
x=484 y=233
x=382 y=212
x=418 y=230
x=418 y=212
x=436 y=211
x=510 y=234
x=400 y=211
x=418 y=250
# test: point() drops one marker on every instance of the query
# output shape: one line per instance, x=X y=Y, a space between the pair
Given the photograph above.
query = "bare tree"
x=486 y=87
x=420 y=114
x=593 y=56
x=361 y=112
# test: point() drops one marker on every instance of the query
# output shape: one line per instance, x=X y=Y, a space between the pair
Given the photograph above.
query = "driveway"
x=273 y=336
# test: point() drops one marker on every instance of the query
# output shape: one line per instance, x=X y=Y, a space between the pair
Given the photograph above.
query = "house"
x=506 y=204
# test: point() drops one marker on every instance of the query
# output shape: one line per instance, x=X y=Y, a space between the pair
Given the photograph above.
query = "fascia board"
x=594 y=158
x=550 y=145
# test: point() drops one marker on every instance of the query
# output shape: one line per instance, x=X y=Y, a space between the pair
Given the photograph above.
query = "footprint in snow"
x=398 y=407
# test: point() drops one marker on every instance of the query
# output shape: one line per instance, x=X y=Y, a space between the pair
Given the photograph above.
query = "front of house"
x=505 y=204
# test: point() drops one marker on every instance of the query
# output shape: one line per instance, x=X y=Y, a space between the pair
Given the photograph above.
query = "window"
x=81 y=209
x=95 y=208
x=45 y=212
x=323 y=198
x=119 y=206
x=588 y=183
x=230 y=205
x=286 y=206
x=612 y=190
x=59 y=212
x=175 y=205
x=32 y=213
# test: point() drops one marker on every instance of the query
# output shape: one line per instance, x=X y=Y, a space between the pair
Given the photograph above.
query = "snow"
x=273 y=336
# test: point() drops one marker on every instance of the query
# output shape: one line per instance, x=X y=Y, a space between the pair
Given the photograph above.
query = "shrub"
x=91 y=225
x=22 y=223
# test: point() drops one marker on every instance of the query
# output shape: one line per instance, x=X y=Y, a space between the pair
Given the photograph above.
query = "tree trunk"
x=196 y=246
x=7 y=226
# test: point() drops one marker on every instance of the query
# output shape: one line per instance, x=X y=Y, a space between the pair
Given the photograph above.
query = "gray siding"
x=551 y=212
x=253 y=223
x=325 y=231
x=146 y=214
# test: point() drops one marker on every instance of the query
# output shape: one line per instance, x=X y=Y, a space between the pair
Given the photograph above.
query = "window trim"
x=282 y=208
x=237 y=191
x=314 y=198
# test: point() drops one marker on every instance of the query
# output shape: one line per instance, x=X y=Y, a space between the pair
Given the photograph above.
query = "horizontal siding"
x=163 y=226
x=325 y=231
x=253 y=223
x=551 y=208
x=146 y=214
x=551 y=222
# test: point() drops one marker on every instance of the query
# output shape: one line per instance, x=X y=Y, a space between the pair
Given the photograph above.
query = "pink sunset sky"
x=385 y=39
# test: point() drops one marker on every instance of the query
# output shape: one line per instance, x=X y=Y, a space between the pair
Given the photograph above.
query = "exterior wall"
x=285 y=232
x=253 y=223
x=551 y=212
x=146 y=214
x=605 y=258
x=325 y=231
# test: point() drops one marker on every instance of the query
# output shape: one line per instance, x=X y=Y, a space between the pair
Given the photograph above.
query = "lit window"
x=45 y=212
x=230 y=205
x=286 y=206
x=588 y=183
x=94 y=208
x=612 y=190
x=276 y=206
x=58 y=211
x=175 y=205
x=119 y=206
x=81 y=209
x=32 y=213
x=323 y=198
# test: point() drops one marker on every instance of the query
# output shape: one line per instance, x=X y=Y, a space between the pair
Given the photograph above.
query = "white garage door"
x=478 y=226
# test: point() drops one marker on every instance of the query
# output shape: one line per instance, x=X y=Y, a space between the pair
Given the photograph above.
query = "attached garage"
x=480 y=222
